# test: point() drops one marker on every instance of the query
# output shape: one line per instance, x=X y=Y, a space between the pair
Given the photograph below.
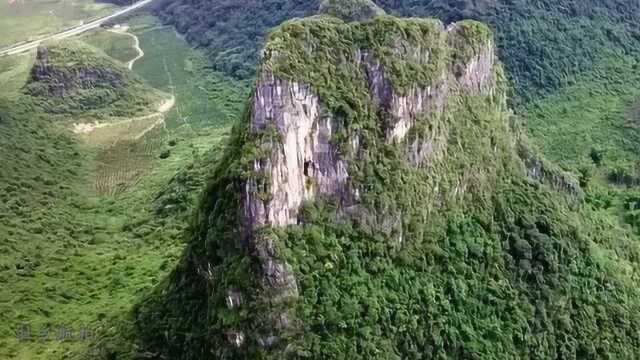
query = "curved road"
x=16 y=49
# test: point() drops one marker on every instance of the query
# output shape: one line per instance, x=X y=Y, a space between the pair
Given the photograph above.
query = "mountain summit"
x=377 y=201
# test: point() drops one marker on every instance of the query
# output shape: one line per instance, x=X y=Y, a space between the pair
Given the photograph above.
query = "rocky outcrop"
x=298 y=158
x=403 y=109
x=539 y=169
x=303 y=162
x=58 y=78
x=475 y=74
x=474 y=60
x=73 y=78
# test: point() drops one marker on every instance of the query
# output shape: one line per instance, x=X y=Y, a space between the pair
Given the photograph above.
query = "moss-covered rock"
x=71 y=77
x=350 y=10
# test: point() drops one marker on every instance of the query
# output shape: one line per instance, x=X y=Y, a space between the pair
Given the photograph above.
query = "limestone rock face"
x=299 y=158
x=477 y=72
x=303 y=163
x=475 y=75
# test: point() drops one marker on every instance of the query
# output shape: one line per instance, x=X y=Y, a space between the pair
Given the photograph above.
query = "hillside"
x=378 y=200
x=91 y=220
x=74 y=78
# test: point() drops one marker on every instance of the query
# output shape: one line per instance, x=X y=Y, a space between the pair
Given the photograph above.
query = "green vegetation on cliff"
x=466 y=254
x=350 y=10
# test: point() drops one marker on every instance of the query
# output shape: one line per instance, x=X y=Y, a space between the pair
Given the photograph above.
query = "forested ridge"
x=544 y=44
x=232 y=31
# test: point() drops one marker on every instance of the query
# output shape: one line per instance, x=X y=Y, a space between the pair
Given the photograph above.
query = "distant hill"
x=72 y=77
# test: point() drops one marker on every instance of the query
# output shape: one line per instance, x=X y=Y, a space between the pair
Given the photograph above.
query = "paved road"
x=16 y=49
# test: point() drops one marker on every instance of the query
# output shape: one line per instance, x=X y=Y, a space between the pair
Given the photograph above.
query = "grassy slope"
x=117 y=46
x=71 y=258
x=596 y=112
x=14 y=73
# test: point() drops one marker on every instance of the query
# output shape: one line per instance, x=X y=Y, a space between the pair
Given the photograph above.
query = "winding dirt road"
x=136 y=44
x=22 y=47
x=163 y=107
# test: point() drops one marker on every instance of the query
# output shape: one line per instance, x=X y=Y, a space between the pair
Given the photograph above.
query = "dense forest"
x=232 y=31
x=545 y=44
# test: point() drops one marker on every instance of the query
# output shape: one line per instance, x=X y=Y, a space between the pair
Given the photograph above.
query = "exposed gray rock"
x=402 y=111
x=233 y=299
x=236 y=338
x=303 y=164
x=59 y=81
x=476 y=73
x=539 y=169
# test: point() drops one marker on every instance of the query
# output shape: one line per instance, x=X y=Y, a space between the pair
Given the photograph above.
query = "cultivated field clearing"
x=126 y=148
x=125 y=163
x=88 y=243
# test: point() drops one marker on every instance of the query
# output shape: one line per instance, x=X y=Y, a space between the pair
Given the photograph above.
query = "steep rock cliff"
x=376 y=202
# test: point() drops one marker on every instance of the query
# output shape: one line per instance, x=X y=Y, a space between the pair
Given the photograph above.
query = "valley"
x=61 y=224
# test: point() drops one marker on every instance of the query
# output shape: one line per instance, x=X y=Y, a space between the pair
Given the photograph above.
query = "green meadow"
x=117 y=46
